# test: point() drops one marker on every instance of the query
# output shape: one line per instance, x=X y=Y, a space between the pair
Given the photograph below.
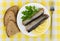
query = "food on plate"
x=34 y=17
x=10 y=20
x=36 y=22
x=11 y=28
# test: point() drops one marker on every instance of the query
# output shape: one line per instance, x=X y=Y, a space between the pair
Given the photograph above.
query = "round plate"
x=36 y=32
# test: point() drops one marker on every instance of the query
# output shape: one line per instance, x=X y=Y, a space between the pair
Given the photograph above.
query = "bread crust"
x=14 y=9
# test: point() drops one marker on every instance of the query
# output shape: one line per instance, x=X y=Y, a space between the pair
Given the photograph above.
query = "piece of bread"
x=14 y=9
x=12 y=28
x=10 y=20
x=9 y=16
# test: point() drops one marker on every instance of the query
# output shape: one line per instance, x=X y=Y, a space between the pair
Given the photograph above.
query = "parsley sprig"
x=29 y=12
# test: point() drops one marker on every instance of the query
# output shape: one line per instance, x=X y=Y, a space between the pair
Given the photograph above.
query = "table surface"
x=4 y=4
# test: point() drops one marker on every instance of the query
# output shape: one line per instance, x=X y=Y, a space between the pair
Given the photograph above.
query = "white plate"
x=19 y=20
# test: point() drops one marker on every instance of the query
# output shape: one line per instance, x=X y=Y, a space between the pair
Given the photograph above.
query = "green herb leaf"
x=29 y=12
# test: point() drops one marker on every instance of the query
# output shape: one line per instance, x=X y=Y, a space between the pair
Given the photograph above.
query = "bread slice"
x=14 y=9
x=12 y=28
x=10 y=20
x=9 y=16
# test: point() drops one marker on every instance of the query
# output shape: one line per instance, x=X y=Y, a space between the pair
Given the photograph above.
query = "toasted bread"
x=14 y=9
x=10 y=20
x=12 y=28
x=9 y=16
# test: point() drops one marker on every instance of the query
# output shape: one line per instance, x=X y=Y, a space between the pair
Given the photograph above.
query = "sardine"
x=36 y=23
x=37 y=15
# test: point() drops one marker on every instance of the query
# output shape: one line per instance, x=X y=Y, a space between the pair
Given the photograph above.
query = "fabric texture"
x=5 y=4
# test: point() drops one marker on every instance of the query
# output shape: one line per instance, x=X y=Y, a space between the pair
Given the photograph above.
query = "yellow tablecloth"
x=5 y=4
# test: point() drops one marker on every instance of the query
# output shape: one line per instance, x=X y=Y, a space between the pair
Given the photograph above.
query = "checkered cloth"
x=5 y=4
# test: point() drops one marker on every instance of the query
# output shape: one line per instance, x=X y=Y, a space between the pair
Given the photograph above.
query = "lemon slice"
x=41 y=28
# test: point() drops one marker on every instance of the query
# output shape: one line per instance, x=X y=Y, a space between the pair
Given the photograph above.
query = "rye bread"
x=10 y=20
x=9 y=16
x=12 y=28
x=14 y=9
